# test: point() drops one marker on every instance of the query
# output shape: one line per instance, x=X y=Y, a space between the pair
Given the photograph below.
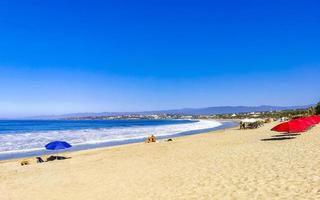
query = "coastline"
x=225 y=164
x=29 y=154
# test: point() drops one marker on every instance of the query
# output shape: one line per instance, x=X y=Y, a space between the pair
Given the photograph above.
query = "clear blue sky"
x=78 y=56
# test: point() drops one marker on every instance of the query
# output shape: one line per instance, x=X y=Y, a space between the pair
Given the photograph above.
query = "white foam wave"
x=25 y=142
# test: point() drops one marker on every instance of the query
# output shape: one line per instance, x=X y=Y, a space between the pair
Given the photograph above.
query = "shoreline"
x=224 y=164
x=27 y=155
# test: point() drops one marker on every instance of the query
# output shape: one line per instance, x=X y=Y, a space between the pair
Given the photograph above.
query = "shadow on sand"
x=286 y=135
x=278 y=138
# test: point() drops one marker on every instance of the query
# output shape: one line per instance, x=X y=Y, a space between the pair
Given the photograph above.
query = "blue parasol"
x=58 y=145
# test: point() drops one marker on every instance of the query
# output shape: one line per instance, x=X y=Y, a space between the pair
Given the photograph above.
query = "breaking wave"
x=35 y=141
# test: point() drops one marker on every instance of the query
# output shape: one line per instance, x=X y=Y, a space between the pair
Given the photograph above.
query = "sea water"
x=19 y=138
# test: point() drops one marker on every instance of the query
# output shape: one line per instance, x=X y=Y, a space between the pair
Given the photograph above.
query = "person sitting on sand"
x=152 y=138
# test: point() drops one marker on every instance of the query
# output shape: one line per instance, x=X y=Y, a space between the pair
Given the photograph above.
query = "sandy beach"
x=226 y=164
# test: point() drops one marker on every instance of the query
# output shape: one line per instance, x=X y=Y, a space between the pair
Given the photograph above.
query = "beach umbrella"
x=58 y=145
x=310 y=120
x=315 y=118
x=292 y=126
x=305 y=121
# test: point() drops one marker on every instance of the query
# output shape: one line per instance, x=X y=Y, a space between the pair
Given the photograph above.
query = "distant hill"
x=184 y=111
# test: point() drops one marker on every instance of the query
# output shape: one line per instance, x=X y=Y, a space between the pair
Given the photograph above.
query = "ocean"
x=21 y=138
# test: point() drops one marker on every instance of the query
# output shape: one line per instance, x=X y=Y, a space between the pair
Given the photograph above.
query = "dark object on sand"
x=24 y=162
x=251 y=125
x=39 y=160
x=169 y=140
x=52 y=158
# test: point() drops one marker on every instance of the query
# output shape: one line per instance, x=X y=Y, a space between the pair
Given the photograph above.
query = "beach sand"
x=227 y=164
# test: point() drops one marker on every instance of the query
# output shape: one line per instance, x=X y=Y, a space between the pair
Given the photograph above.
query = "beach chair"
x=39 y=160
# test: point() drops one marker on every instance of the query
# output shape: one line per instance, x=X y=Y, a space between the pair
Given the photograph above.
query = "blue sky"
x=93 y=56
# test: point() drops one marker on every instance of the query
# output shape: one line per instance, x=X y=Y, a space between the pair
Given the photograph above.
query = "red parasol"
x=310 y=120
x=306 y=121
x=315 y=118
x=292 y=126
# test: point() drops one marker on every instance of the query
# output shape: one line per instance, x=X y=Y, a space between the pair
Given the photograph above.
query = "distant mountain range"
x=184 y=111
